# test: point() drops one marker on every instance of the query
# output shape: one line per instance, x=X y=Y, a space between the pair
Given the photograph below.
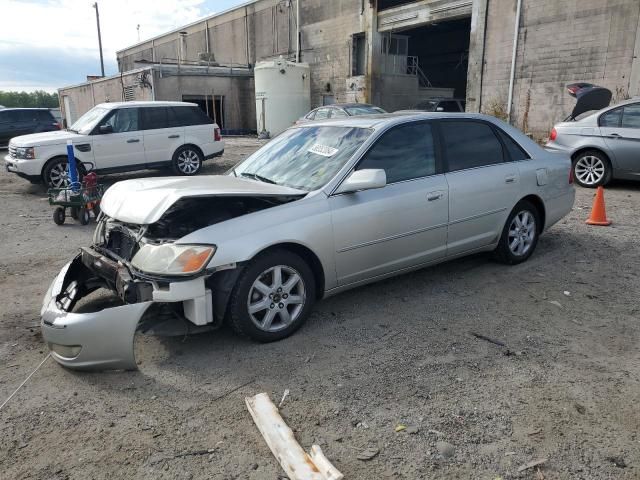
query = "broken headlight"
x=173 y=259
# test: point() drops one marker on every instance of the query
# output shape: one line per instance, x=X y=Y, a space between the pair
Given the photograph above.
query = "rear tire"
x=187 y=161
x=519 y=235
x=591 y=169
x=272 y=297
x=59 y=215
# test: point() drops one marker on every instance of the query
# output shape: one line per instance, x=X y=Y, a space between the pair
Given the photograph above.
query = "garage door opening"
x=212 y=105
x=440 y=51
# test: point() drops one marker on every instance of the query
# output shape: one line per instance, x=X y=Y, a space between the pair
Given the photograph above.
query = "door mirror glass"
x=104 y=129
x=366 y=179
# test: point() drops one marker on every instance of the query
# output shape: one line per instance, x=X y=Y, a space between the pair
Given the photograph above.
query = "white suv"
x=120 y=137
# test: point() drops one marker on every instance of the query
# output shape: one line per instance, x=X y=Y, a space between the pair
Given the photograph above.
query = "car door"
x=401 y=225
x=621 y=131
x=7 y=129
x=483 y=188
x=162 y=134
x=123 y=146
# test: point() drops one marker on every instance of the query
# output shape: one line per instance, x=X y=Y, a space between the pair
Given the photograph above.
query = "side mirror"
x=367 y=179
x=105 y=129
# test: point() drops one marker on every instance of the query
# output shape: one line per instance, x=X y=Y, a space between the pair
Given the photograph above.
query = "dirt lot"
x=565 y=388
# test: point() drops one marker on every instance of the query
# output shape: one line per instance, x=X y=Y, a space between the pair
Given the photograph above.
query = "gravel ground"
x=399 y=352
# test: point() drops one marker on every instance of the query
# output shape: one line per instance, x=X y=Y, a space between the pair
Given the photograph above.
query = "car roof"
x=383 y=120
x=344 y=105
x=10 y=109
x=112 y=105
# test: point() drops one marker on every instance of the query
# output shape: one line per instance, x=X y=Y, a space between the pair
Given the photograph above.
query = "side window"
x=123 y=120
x=322 y=113
x=337 y=113
x=186 y=116
x=470 y=144
x=310 y=115
x=27 y=116
x=154 y=118
x=404 y=152
x=612 y=118
x=45 y=116
x=515 y=151
x=13 y=116
x=4 y=118
x=631 y=116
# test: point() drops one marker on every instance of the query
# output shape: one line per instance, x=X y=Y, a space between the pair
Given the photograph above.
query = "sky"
x=48 y=44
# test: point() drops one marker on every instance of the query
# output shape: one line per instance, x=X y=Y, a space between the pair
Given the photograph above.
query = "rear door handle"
x=432 y=196
x=614 y=135
x=510 y=179
x=133 y=140
x=174 y=136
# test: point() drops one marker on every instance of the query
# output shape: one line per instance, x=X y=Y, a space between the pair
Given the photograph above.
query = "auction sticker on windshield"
x=323 y=150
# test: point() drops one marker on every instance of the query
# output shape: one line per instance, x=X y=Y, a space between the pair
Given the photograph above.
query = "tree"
x=36 y=99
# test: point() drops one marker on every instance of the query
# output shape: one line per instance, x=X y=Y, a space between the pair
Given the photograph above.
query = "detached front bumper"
x=102 y=339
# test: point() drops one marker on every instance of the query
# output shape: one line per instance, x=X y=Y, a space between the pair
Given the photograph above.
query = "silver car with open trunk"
x=322 y=208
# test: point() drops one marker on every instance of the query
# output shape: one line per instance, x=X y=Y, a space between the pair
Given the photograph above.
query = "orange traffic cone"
x=598 y=212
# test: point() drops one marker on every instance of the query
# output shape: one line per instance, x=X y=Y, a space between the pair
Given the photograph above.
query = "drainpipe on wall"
x=298 y=31
x=513 y=60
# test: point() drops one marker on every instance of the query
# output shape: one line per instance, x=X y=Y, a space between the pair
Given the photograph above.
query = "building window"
x=358 y=54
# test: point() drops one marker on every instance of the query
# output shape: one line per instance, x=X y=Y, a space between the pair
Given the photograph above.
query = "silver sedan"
x=322 y=208
x=603 y=145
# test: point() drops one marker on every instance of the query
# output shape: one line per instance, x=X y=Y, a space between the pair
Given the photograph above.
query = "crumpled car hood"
x=144 y=201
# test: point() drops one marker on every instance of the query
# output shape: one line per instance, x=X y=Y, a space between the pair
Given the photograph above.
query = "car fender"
x=306 y=222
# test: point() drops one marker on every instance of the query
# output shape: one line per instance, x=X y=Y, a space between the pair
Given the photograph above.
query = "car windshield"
x=89 y=120
x=364 y=110
x=305 y=158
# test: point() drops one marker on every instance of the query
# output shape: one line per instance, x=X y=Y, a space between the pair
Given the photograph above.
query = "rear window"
x=45 y=116
x=631 y=116
x=364 y=110
x=470 y=144
x=515 y=151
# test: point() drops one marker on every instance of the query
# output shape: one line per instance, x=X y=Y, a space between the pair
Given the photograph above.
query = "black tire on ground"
x=187 y=161
x=238 y=316
x=59 y=215
x=83 y=216
x=600 y=173
x=55 y=167
x=512 y=233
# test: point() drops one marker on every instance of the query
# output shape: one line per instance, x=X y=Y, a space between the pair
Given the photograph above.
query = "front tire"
x=520 y=234
x=272 y=297
x=55 y=174
x=187 y=161
x=591 y=169
x=59 y=215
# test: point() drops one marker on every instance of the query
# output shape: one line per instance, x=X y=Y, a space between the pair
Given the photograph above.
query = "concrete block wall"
x=560 y=42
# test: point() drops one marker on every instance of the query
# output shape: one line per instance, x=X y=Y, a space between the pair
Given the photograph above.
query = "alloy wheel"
x=589 y=170
x=522 y=233
x=58 y=177
x=276 y=298
x=188 y=162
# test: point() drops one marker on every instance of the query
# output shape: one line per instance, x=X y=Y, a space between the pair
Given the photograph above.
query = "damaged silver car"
x=320 y=209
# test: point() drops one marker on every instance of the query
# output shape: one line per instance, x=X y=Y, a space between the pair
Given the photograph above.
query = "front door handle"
x=614 y=135
x=133 y=140
x=432 y=196
x=174 y=136
x=510 y=179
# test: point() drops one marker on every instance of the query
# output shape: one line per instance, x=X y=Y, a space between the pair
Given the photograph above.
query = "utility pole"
x=95 y=5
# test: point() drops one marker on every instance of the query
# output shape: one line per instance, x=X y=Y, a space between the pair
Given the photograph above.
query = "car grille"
x=122 y=243
x=12 y=151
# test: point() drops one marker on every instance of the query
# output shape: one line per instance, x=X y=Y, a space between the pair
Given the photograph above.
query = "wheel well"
x=195 y=147
x=59 y=157
x=588 y=149
x=539 y=204
x=307 y=255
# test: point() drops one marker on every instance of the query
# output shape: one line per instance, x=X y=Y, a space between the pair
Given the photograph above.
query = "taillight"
x=216 y=134
x=553 y=135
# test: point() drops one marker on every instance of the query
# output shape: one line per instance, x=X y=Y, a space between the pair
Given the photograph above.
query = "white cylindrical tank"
x=283 y=94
